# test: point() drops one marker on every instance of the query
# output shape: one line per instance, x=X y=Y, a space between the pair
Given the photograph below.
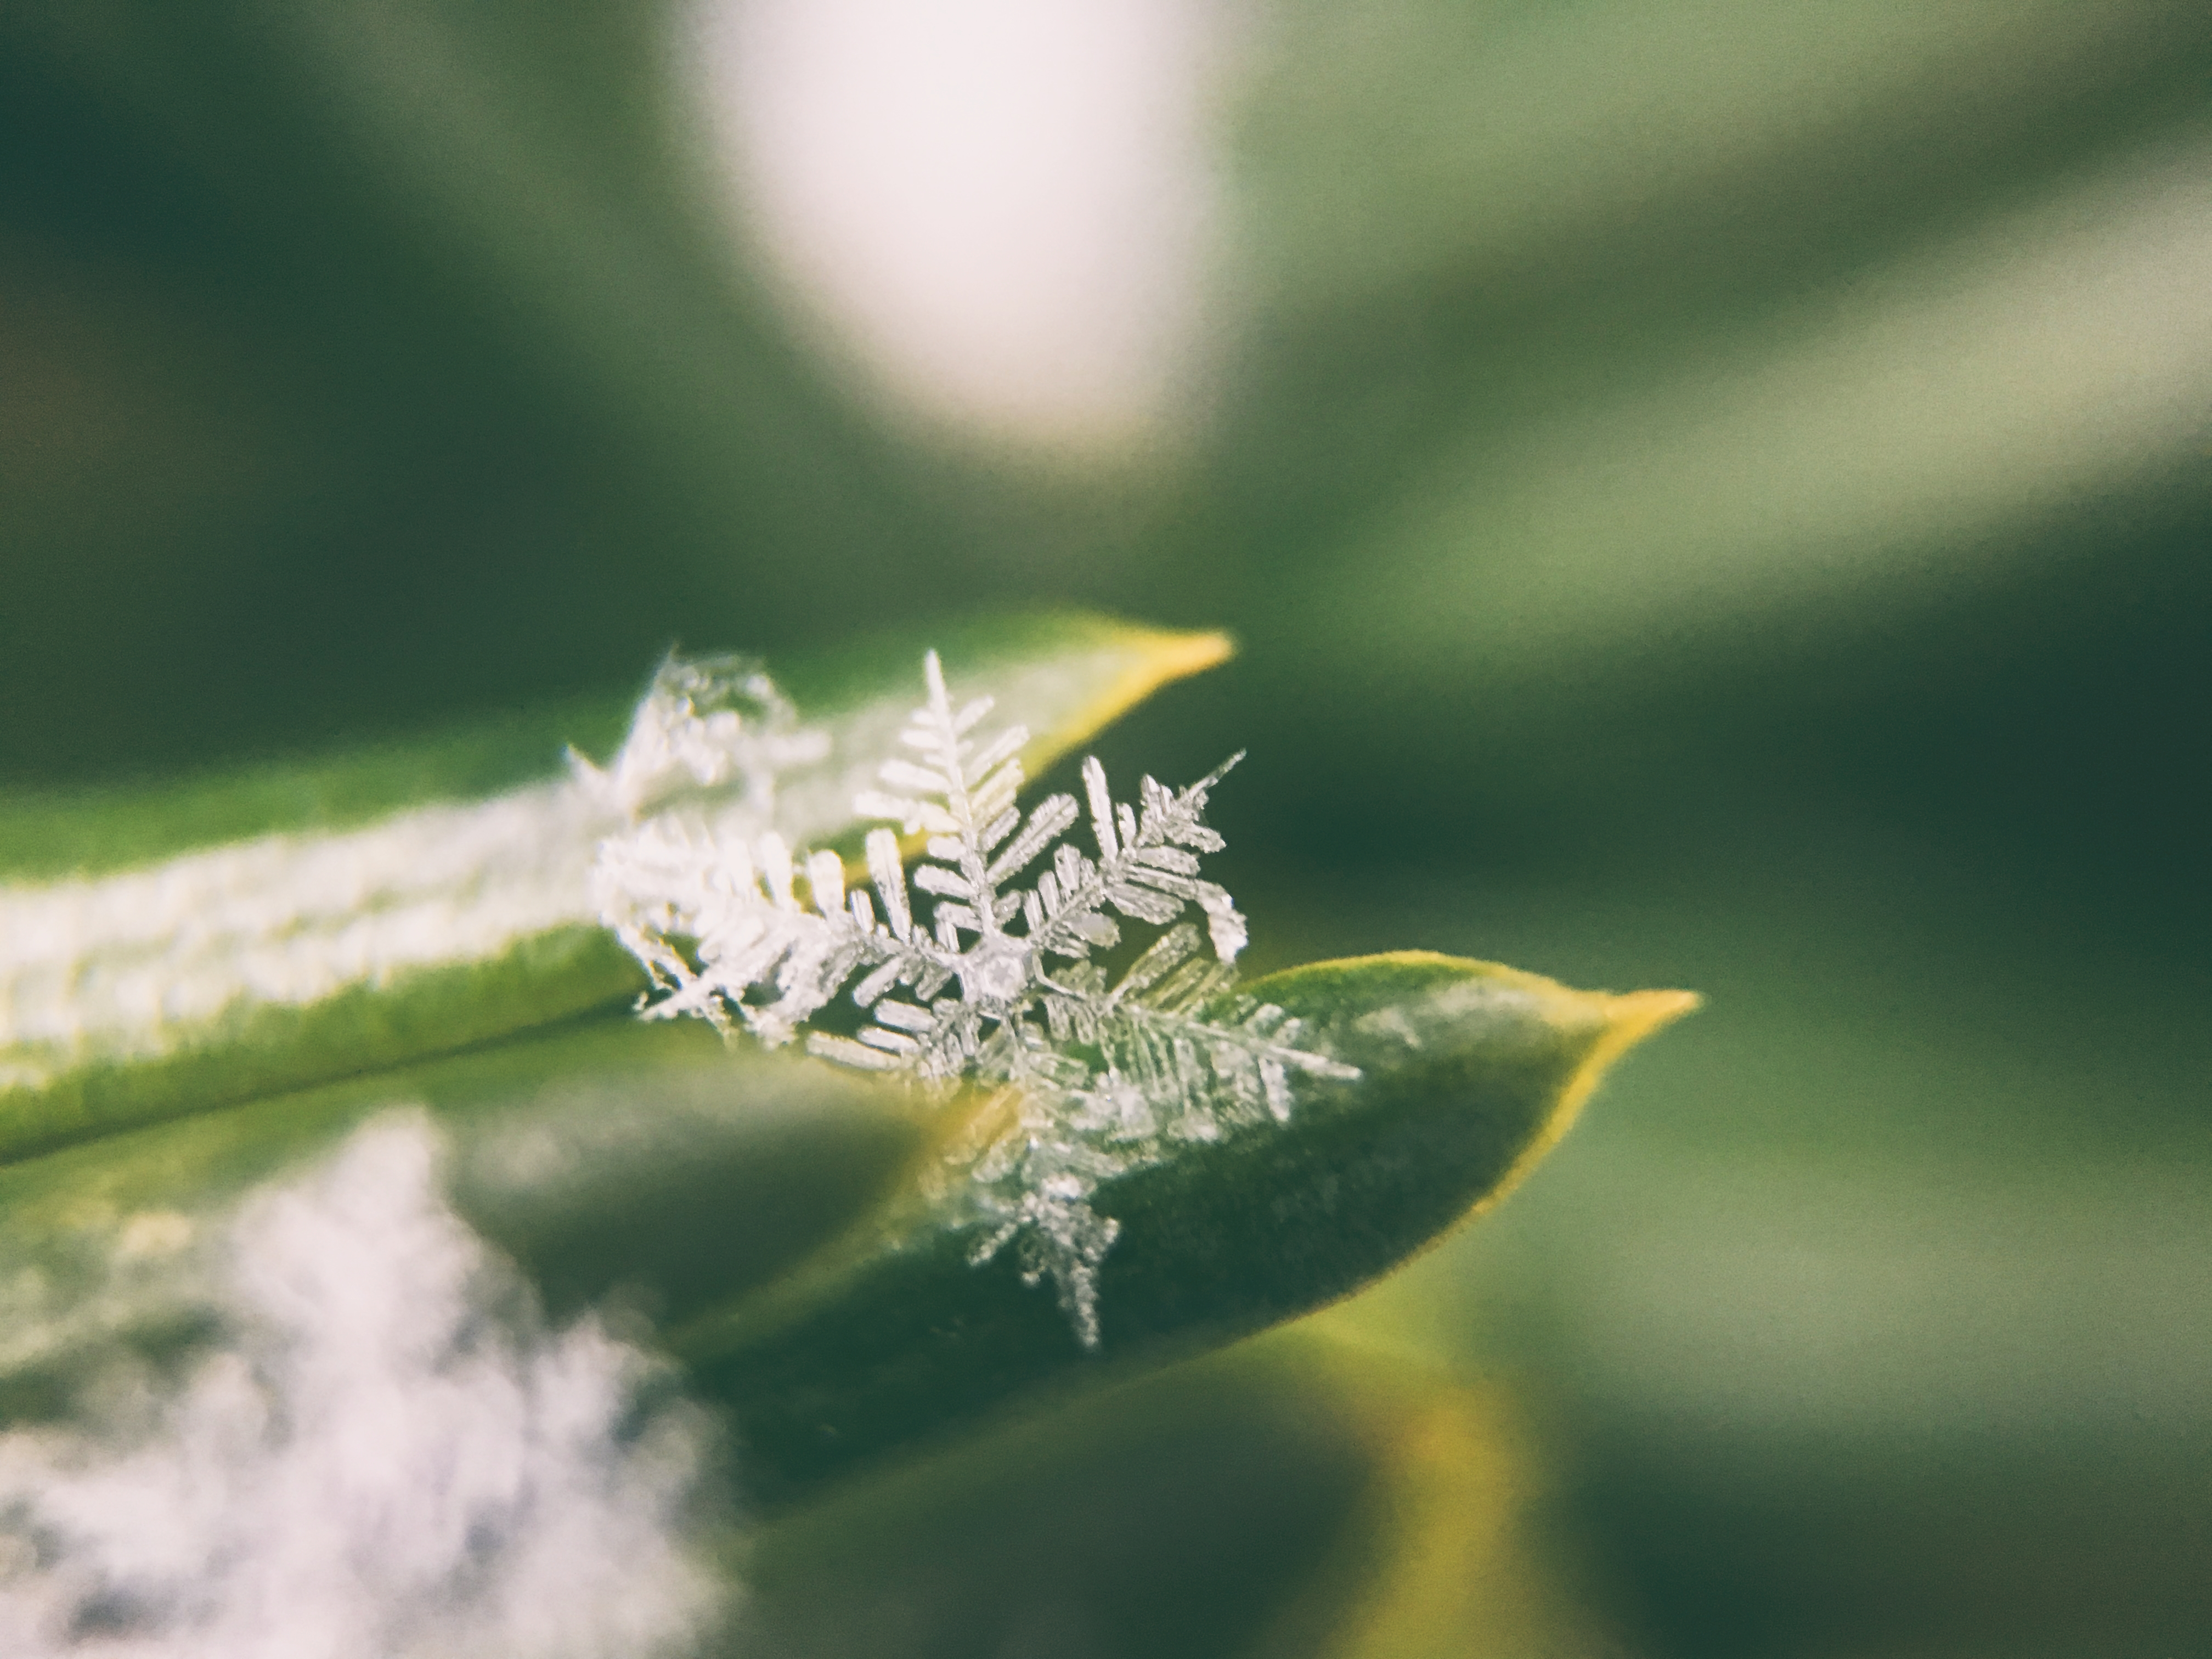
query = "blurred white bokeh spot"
x=999 y=207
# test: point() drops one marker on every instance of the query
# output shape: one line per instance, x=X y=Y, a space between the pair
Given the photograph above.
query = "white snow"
x=385 y=1455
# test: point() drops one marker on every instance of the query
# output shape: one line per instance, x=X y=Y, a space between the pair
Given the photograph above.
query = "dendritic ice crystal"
x=1092 y=1074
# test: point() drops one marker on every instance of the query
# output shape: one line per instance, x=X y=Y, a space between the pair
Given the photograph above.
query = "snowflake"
x=1093 y=1074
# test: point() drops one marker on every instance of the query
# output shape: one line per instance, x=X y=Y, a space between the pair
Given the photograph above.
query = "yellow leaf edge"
x=1629 y=1016
x=1159 y=657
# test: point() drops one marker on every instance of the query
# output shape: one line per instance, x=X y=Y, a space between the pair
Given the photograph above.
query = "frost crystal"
x=715 y=724
x=1094 y=1075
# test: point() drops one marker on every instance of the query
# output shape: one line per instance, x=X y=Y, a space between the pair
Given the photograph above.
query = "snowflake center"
x=996 y=971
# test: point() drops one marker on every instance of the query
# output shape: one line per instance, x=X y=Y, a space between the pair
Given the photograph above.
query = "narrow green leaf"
x=96 y=830
x=1469 y=1073
x=166 y=950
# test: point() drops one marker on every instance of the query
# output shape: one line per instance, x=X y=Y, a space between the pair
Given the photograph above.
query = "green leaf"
x=1293 y=1497
x=691 y=1180
x=1470 y=1071
x=366 y=911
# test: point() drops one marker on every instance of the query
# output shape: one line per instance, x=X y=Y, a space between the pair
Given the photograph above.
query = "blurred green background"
x=1711 y=493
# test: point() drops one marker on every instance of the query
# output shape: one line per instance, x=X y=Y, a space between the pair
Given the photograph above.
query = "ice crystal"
x=715 y=726
x=1094 y=1075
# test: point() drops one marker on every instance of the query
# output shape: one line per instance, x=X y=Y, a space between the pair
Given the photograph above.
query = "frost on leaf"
x=1093 y=1073
x=714 y=727
x=695 y=782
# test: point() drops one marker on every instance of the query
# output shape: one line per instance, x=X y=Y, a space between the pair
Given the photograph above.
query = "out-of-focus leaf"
x=1470 y=1071
x=1642 y=374
x=361 y=915
x=647 y=1161
x=1399 y=145
x=1866 y=452
x=1437 y=1562
x=1293 y=1498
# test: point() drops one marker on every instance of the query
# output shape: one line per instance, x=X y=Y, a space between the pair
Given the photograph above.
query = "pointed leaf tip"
x=1144 y=659
x=1627 y=1018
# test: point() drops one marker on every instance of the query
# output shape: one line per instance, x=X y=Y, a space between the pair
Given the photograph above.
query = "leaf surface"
x=1470 y=1071
x=691 y=1181
x=166 y=949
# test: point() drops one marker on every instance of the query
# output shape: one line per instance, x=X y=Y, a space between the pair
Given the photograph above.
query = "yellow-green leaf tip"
x=1628 y=1018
